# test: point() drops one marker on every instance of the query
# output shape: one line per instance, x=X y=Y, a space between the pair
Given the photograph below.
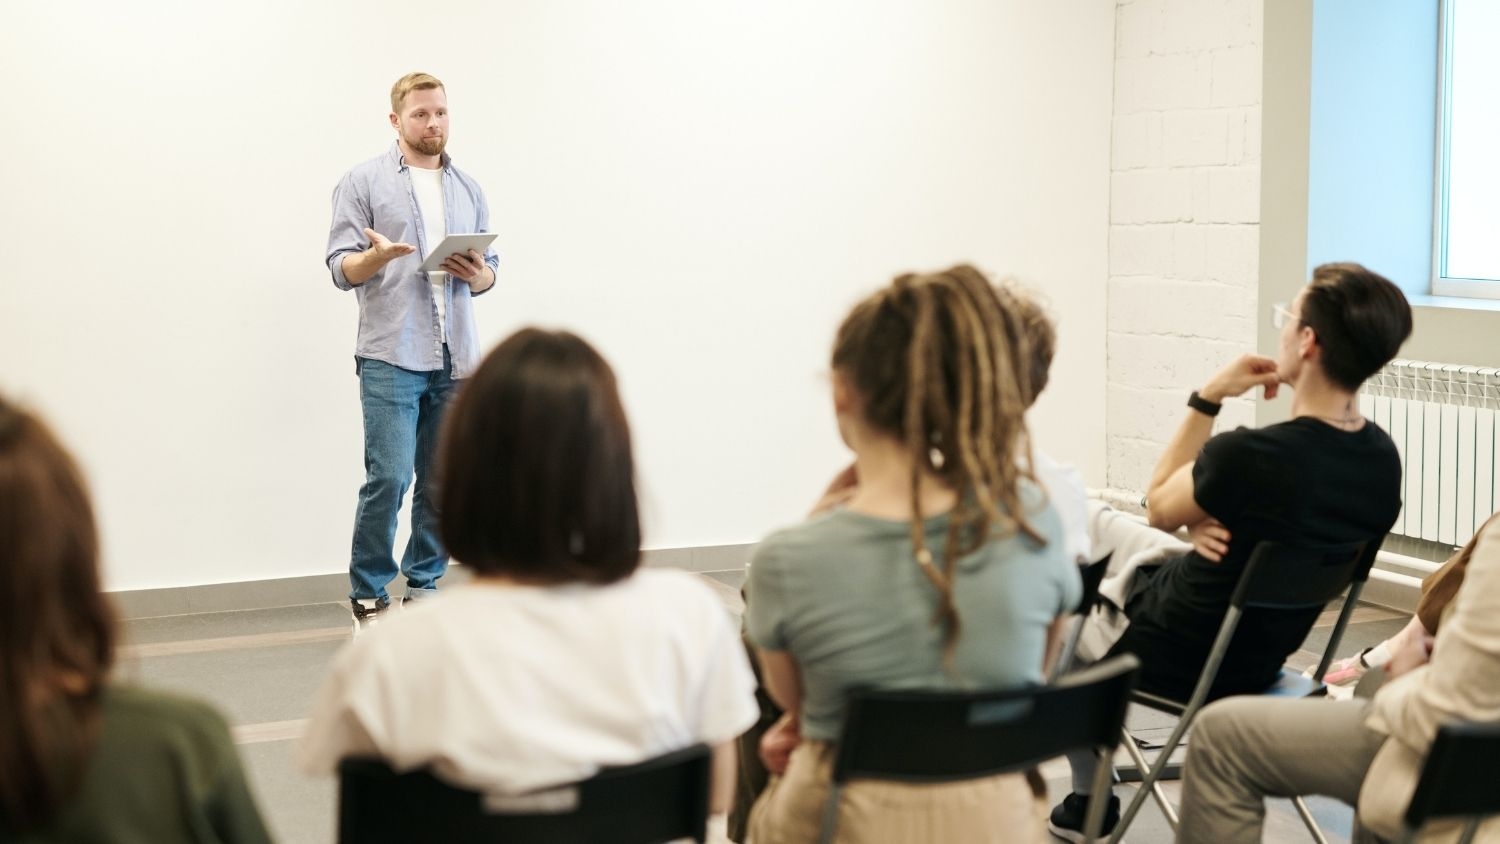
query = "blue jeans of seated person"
x=403 y=414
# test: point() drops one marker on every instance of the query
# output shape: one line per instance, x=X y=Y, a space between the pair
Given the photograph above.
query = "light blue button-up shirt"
x=398 y=319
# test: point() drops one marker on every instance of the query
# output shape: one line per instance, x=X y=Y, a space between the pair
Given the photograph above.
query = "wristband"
x=1203 y=405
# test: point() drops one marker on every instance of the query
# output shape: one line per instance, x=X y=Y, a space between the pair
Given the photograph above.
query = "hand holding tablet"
x=457 y=247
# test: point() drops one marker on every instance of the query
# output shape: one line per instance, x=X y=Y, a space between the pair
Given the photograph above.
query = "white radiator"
x=1443 y=418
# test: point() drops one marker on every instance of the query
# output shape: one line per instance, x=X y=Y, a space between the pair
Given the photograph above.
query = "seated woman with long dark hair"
x=82 y=758
x=562 y=655
x=945 y=568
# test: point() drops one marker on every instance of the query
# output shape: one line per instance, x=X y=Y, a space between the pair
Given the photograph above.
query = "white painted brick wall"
x=1184 y=216
x=1147 y=306
x=1136 y=141
x=1228 y=194
x=1198 y=137
x=1236 y=77
x=1137 y=250
x=1178 y=362
x=1231 y=255
x=1150 y=196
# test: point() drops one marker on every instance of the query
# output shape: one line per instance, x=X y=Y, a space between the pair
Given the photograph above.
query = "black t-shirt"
x=1296 y=481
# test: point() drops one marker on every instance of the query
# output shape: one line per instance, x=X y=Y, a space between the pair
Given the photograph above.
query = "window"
x=1467 y=253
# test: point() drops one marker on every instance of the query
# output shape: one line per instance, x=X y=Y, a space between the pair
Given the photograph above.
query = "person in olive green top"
x=83 y=760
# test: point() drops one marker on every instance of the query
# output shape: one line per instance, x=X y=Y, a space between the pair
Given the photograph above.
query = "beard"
x=428 y=146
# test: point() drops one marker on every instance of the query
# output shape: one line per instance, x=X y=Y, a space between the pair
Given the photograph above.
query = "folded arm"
x=1169 y=498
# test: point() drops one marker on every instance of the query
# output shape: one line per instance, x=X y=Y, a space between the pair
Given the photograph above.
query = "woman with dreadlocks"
x=944 y=570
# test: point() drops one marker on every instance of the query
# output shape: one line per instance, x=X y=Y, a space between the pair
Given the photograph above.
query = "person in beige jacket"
x=1366 y=753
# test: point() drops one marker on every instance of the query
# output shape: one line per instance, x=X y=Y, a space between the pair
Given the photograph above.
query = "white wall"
x=702 y=188
x=1184 y=216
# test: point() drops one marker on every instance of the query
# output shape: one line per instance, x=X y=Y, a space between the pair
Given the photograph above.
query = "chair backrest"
x=1280 y=576
x=662 y=799
x=1285 y=577
x=927 y=736
x=1461 y=776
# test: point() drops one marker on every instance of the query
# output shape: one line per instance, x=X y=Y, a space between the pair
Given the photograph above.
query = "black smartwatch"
x=1203 y=405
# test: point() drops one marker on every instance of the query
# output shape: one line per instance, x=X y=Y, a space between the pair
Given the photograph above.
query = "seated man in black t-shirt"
x=1327 y=475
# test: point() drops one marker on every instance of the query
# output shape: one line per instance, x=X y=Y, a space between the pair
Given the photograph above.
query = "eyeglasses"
x=1280 y=316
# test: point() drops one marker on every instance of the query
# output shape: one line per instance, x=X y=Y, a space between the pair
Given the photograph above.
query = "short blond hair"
x=408 y=83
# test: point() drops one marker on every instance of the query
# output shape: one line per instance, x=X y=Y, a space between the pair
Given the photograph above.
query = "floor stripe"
x=269 y=731
x=236 y=643
x=1361 y=614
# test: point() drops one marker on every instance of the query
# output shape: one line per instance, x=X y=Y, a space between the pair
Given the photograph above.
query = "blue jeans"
x=403 y=414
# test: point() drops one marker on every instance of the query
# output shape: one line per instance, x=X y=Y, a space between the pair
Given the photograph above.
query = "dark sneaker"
x=367 y=611
x=1067 y=817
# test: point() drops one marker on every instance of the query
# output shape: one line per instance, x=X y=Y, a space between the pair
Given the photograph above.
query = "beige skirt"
x=1001 y=809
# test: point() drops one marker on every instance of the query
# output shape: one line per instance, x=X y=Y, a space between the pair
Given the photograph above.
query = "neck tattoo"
x=1348 y=419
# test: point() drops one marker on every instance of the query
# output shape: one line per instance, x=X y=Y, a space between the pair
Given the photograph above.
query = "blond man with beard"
x=416 y=336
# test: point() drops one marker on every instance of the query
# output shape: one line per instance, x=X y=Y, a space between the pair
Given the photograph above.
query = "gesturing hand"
x=1241 y=375
x=467 y=266
x=384 y=249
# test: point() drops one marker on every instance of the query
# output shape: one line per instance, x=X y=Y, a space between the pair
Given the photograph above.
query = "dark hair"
x=537 y=481
x=1360 y=317
x=933 y=358
x=56 y=627
x=1038 y=339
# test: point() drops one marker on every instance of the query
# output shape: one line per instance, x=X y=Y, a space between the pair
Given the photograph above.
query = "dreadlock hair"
x=935 y=358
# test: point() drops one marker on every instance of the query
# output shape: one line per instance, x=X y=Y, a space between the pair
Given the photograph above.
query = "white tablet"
x=460 y=243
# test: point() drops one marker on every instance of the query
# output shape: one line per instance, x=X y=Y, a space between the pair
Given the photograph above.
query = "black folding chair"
x=932 y=737
x=663 y=799
x=1092 y=574
x=1276 y=577
x=1461 y=779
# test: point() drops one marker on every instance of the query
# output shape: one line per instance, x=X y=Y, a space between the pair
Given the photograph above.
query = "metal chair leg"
x=831 y=813
x=1139 y=797
x=1151 y=781
x=1307 y=819
x=1093 y=820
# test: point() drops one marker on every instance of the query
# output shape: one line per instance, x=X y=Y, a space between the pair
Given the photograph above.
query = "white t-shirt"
x=428 y=186
x=509 y=689
x=1066 y=491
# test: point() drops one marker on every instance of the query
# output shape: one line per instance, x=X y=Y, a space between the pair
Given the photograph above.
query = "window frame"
x=1442 y=283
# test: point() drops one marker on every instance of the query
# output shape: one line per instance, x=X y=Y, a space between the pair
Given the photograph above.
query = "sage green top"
x=164 y=771
x=842 y=592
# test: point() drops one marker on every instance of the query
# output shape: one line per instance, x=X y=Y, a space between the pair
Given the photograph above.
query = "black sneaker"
x=368 y=611
x=1067 y=817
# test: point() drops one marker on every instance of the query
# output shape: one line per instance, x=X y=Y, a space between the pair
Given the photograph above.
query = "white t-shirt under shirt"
x=428 y=186
x=510 y=689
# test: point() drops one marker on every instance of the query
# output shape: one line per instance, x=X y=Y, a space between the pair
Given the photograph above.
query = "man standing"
x=416 y=330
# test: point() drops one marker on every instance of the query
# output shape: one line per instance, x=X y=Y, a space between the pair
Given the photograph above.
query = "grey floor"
x=262 y=668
